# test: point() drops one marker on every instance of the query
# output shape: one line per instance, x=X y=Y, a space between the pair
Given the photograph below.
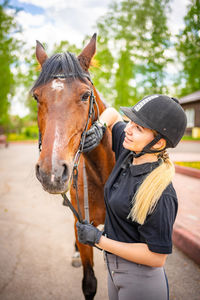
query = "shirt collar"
x=144 y=168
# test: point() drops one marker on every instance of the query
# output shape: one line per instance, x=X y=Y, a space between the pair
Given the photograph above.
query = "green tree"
x=140 y=40
x=101 y=68
x=188 y=48
x=124 y=74
x=28 y=71
x=8 y=44
x=64 y=46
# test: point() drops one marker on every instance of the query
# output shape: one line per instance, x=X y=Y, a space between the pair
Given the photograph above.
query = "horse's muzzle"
x=57 y=180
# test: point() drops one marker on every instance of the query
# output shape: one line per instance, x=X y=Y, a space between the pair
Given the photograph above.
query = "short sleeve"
x=118 y=138
x=156 y=232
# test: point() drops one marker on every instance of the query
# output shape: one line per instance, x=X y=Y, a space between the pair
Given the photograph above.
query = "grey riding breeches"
x=131 y=281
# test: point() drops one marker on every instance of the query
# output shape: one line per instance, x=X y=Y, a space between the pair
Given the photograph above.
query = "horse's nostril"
x=65 y=173
x=37 y=170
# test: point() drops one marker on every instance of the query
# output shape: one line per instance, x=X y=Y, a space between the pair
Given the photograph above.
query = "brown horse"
x=63 y=92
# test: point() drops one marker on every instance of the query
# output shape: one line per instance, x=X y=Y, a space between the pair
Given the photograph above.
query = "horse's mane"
x=64 y=65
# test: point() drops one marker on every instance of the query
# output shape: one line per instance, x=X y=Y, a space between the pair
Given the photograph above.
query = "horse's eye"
x=85 y=96
x=35 y=97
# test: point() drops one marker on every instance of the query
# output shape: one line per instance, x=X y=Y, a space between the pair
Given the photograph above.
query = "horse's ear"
x=40 y=53
x=88 y=52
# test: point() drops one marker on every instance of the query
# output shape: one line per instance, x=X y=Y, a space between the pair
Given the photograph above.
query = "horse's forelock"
x=61 y=63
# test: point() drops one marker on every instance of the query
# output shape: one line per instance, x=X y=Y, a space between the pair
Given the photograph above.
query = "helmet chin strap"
x=147 y=148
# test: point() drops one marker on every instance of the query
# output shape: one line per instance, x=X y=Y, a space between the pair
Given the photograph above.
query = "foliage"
x=188 y=48
x=64 y=46
x=8 y=45
x=16 y=124
x=123 y=75
x=12 y=137
x=189 y=138
x=140 y=40
x=28 y=72
x=101 y=67
x=31 y=132
x=190 y=164
x=21 y=129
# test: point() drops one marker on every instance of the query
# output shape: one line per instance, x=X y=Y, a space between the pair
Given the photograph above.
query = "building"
x=191 y=106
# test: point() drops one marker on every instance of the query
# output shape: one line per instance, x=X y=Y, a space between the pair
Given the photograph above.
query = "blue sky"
x=28 y=7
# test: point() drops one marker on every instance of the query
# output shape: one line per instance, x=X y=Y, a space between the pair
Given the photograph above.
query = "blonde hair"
x=150 y=191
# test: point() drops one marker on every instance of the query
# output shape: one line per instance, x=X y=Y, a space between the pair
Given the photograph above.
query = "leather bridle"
x=74 y=175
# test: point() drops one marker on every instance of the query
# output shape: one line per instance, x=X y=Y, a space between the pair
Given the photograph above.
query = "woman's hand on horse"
x=88 y=234
x=94 y=136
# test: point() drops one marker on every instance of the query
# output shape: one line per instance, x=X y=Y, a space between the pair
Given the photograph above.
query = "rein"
x=74 y=175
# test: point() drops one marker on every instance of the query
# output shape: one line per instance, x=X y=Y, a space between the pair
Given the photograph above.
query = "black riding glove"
x=88 y=234
x=93 y=136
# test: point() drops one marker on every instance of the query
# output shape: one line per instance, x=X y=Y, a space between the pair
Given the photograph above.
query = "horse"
x=63 y=92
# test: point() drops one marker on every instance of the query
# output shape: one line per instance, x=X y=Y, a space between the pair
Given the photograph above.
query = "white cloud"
x=175 y=21
x=28 y=20
x=62 y=20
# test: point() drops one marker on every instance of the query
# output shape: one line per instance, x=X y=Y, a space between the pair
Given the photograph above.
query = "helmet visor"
x=133 y=117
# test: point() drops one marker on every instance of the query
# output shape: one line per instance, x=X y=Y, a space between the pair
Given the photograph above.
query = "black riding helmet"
x=162 y=114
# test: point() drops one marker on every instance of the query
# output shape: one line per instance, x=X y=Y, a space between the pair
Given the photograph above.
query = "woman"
x=141 y=203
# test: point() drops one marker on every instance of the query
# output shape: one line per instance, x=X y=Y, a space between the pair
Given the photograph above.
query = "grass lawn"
x=191 y=164
x=189 y=138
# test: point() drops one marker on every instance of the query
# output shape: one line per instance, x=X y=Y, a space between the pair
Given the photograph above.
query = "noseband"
x=74 y=175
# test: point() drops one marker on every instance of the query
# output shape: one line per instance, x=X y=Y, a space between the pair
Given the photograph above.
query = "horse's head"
x=63 y=92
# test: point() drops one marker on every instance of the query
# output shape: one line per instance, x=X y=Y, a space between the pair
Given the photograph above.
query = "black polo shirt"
x=120 y=188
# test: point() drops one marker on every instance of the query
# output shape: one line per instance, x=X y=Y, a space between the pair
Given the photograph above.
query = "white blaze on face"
x=56 y=146
x=52 y=177
x=57 y=85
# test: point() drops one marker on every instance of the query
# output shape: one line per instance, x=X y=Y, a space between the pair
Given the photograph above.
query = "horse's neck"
x=100 y=161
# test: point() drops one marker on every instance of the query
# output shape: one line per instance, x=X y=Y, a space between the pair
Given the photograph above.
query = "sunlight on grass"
x=191 y=164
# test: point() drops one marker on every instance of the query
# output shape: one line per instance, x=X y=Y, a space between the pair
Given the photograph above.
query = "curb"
x=187 y=243
x=187 y=171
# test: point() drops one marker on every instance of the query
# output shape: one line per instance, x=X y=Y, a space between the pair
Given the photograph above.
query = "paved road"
x=36 y=241
x=187 y=147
